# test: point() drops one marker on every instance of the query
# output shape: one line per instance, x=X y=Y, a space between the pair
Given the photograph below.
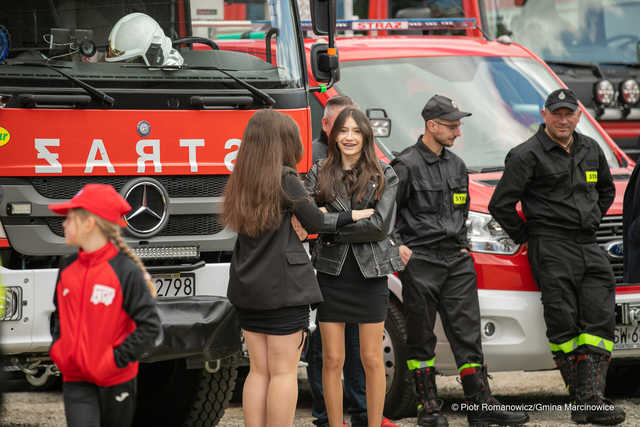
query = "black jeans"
x=88 y=405
x=442 y=282
x=354 y=380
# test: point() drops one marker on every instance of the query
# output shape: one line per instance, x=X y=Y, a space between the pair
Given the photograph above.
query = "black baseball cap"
x=441 y=107
x=561 y=98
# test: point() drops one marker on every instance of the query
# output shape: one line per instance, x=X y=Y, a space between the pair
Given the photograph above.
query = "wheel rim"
x=388 y=358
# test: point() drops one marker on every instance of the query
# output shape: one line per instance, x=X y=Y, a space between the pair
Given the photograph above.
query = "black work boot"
x=567 y=365
x=590 y=383
x=429 y=409
x=478 y=394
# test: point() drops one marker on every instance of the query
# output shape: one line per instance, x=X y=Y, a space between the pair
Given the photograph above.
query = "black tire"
x=400 y=399
x=623 y=378
x=171 y=394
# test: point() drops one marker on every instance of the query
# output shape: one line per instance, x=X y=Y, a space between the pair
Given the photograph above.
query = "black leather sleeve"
x=141 y=307
x=306 y=210
x=380 y=224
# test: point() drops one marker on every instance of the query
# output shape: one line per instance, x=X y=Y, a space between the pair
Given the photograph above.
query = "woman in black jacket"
x=271 y=280
x=353 y=263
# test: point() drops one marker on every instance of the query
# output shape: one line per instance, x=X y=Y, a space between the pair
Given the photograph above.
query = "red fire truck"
x=591 y=45
x=504 y=85
x=163 y=126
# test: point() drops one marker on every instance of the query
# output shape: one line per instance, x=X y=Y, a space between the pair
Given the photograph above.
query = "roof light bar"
x=401 y=24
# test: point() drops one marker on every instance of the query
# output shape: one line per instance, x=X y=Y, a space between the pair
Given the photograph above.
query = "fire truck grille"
x=177 y=186
x=178 y=225
x=611 y=231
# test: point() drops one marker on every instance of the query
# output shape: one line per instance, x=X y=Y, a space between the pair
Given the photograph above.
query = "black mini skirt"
x=281 y=321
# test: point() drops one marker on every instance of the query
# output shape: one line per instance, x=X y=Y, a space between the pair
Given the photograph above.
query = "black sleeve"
x=517 y=175
x=141 y=307
x=605 y=186
x=402 y=193
x=379 y=225
x=305 y=209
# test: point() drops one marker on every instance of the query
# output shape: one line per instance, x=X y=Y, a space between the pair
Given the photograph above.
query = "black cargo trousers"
x=442 y=281
x=578 y=292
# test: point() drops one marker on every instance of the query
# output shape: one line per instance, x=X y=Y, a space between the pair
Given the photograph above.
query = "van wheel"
x=171 y=394
x=400 y=400
x=623 y=378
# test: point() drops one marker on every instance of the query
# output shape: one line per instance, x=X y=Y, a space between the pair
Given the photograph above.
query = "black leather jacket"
x=376 y=253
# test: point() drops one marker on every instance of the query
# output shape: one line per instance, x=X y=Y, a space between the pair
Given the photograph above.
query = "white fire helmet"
x=137 y=35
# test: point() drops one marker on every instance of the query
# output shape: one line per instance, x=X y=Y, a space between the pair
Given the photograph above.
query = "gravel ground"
x=539 y=390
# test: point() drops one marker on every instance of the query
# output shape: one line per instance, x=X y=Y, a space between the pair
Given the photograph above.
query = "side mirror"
x=381 y=125
x=325 y=67
x=323 y=17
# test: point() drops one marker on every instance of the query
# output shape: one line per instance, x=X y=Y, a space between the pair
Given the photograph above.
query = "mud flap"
x=194 y=326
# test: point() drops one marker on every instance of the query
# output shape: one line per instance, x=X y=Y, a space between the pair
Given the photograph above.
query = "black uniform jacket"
x=273 y=270
x=432 y=199
x=562 y=194
x=631 y=228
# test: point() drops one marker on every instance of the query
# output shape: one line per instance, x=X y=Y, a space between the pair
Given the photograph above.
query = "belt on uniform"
x=578 y=236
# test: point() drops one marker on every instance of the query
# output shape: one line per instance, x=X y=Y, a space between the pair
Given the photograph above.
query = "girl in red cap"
x=105 y=316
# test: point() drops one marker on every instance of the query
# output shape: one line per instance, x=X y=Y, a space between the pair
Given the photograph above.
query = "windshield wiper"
x=258 y=94
x=96 y=94
x=571 y=64
x=622 y=64
x=492 y=169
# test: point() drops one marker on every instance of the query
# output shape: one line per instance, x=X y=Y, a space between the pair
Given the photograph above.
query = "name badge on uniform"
x=459 y=198
x=592 y=176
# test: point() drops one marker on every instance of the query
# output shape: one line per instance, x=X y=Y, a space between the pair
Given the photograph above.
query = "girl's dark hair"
x=367 y=168
x=253 y=196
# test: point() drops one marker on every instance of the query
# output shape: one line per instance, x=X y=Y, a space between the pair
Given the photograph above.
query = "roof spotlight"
x=630 y=92
x=604 y=93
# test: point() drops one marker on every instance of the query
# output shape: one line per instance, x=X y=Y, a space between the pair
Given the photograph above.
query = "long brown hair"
x=367 y=168
x=253 y=195
x=113 y=233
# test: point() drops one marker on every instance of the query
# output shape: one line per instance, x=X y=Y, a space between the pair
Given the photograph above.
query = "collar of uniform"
x=105 y=253
x=429 y=155
x=549 y=144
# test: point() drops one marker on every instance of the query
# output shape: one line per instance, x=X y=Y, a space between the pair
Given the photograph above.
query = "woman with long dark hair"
x=271 y=280
x=353 y=263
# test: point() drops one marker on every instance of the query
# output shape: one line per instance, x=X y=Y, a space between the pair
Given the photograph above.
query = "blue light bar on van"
x=401 y=24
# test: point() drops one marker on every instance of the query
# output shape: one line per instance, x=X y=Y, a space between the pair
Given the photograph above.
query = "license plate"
x=626 y=336
x=175 y=284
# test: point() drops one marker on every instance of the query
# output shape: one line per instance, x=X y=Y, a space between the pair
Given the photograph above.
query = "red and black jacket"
x=105 y=318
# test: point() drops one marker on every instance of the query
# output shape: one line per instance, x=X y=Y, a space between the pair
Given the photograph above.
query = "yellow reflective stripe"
x=417 y=364
x=468 y=365
x=565 y=347
x=595 y=341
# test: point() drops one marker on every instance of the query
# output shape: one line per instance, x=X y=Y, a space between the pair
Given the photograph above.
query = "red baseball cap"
x=99 y=199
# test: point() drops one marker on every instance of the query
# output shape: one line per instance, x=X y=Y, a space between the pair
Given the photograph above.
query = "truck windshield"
x=59 y=31
x=597 y=31
x=504 y=94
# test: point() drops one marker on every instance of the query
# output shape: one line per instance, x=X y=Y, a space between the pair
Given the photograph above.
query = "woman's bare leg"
x=371 y=356
x=254 y=393
x=332 y=334
x=283 y=353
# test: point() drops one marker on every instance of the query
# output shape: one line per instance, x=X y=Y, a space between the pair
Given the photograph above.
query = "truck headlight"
x=11 y=303
x=487 y=236
x=604 y=93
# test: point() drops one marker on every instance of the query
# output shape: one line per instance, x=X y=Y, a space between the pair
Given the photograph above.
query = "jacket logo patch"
x=459 y=198
x=122 y=396
x=65 y=292
x=102 y=294
x=592 y=176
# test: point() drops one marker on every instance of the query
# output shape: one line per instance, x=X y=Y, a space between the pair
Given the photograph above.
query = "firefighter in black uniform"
x=563 y=181
x=439 y=274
